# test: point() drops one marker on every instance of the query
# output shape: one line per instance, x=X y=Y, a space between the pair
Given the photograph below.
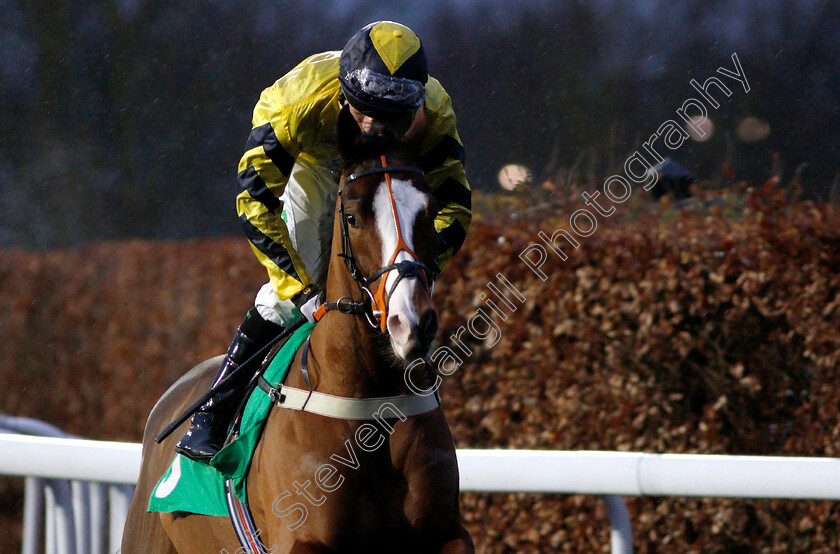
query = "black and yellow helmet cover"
x=383 y=70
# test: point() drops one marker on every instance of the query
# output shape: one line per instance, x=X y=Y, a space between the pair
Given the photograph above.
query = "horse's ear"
x=348 y=134
x=416 y=134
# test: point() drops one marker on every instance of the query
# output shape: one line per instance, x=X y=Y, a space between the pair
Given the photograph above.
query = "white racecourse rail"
x=547 y=471
x=608 y=474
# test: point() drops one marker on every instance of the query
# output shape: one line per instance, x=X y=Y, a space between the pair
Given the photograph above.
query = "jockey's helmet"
x=383 y=70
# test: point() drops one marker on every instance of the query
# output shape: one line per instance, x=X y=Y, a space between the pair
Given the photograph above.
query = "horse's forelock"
x=355 y=148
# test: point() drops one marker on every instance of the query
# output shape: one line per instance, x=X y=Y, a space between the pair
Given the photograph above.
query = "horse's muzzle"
x=412 y=341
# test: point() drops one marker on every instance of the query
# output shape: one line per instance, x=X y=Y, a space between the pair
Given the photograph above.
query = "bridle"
x=374 y=306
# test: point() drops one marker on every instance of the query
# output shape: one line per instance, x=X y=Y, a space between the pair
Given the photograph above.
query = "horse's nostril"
x=429 y=325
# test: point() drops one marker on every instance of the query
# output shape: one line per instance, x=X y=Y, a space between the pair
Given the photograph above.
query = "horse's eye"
x=351 y=220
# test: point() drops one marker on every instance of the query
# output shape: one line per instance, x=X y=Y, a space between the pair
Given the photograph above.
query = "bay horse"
x=395 y=490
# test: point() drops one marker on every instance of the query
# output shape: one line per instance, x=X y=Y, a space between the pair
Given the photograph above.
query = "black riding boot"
x=209 y=425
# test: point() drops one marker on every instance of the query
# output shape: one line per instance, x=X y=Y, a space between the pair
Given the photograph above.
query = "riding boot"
x=209 y=425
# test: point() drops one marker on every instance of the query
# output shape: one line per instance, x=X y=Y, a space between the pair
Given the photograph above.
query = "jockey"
x=288 y=170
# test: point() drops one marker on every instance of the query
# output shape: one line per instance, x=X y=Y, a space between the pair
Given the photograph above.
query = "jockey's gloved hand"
x=307 y=301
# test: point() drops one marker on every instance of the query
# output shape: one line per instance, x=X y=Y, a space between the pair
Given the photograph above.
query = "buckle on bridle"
x=345 y=305
x=276 y=395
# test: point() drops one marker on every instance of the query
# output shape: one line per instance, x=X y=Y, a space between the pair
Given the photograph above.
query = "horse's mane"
x=325 y=232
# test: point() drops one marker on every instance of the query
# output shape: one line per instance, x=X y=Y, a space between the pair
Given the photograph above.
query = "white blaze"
x=410 y=202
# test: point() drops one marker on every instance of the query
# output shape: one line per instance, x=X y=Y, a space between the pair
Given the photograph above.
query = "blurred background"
x=703 y=317
x=126 y=118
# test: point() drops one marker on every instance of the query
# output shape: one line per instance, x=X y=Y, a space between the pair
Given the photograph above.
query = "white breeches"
x=304 y=202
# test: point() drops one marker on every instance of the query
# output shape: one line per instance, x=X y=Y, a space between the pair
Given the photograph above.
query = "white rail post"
x=98 y=517
x=621 y=528
x=61 y=536
x=81 y=518
x=120 y=498
x=33 y=515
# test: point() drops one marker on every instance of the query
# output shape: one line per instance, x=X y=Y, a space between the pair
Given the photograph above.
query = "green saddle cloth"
x=189 y=486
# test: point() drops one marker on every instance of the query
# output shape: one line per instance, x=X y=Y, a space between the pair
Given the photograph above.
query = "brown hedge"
x=708 y=329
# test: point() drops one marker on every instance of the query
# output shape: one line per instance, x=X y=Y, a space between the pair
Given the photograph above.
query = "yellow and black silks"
x=294 y=121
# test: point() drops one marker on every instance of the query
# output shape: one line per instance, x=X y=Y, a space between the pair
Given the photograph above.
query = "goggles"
x=382 y=96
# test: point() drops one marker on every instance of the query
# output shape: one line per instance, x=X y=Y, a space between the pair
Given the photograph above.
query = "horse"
x=396 y=487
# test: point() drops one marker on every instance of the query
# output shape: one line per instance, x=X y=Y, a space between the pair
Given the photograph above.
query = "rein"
x=374 y=306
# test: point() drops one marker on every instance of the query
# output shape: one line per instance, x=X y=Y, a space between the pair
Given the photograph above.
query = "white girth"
x=340 y=407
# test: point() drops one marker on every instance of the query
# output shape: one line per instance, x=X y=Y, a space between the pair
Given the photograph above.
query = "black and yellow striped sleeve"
x=443 y=162
x=264 y=171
